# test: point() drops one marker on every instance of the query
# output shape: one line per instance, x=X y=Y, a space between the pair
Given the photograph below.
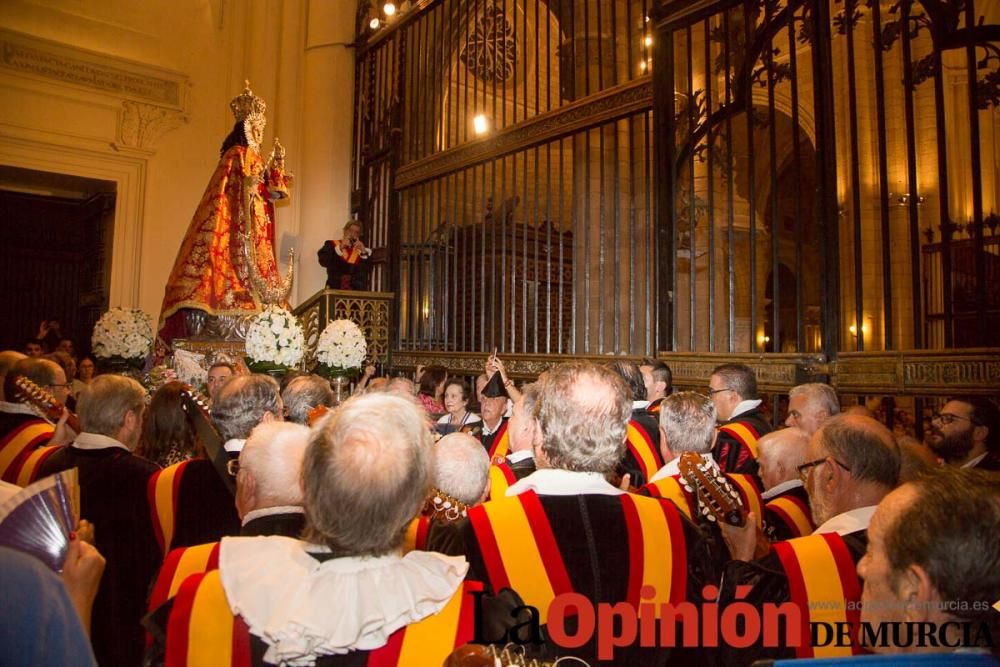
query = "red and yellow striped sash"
x=501 y=443
x=657 y=551
x=202 y=630
x=431 y=641
x=18 y=445
x=353 y=255
x=32 y=463
x=810 y=563
x=744 y=434
x=643 y=449
x=671 y=489
x=416 y=534
x=749 y=494
x=654 y=407
x=178 y=566
x=501 y=477
x=794 y=513
x=163 y=489
x=520 y=550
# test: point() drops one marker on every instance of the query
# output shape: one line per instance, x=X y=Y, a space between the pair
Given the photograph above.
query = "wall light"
x=389 y=9
x=479 y=124
x=374 y=23
x=648 y=41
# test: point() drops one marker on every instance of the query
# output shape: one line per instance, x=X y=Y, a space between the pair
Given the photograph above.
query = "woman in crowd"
x=168 y=436
x=84 y=374
x=456 y=403
x=431 y=389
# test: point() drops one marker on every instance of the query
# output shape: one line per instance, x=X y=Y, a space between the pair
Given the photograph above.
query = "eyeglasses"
x=948 y=418
x=713 y=392
x=233 y=467
x=806 y=467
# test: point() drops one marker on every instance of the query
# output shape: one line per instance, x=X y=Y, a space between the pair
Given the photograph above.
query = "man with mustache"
x=966 y=433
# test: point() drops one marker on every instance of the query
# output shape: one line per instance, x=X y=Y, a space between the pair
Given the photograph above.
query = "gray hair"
x=366 y=474
x=788 y=444
x=461 y=468
x=273 y=454
x=819 y=393
x=303 y=394
x=583 y=411
x=740 y=378
x=106 y=401
x=688 y=419
x=241 y=405
x=865 y=446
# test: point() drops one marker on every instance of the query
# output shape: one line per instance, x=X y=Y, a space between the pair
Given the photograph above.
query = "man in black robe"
x=113 y=497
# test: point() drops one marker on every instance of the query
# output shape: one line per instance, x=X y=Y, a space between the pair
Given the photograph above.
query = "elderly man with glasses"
x=27 y=438
x=852 y=462
x=966 y=433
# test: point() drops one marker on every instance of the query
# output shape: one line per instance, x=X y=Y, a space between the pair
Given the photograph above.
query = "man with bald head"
x=268 y=480
x=852 y=463
x=786 y=504
x=811 y=404
x=26 y=436
x=268 y=500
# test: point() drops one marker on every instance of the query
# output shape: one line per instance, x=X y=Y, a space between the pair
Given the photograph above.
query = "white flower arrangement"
x=125 y=333
x=274 y=340
x=341 y=349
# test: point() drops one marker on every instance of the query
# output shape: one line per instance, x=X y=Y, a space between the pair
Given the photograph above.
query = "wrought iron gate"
x=807 y=178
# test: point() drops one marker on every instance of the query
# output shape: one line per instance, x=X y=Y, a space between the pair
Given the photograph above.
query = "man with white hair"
x=811 y=404
x=461 y=469
x=687 y=424
x=268 y=481
x=786 y=504
x=461 y=481
x=565 y=529
x=344 y=593
x=268 y=501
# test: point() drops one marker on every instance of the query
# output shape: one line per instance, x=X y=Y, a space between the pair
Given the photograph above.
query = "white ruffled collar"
x=303 y=608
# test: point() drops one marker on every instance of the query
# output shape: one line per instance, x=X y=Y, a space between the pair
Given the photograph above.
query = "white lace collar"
x=303 y=608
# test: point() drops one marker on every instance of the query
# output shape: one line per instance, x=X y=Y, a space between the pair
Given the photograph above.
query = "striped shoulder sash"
x=744 y=434
x=178 y=566
x=822 y=581
x=643 y=449
x=793 y=512
x=163 y=490
x=17 y=446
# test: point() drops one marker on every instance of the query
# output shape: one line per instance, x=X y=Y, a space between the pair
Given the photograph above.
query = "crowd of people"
x=423 y=519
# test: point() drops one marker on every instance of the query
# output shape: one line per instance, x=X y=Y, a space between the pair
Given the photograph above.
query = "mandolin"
x=718 y=499
x=31 y=393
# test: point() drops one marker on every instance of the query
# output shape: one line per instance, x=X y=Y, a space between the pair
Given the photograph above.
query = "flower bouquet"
x=122 y=338
x=341 y=349
x=274 y=341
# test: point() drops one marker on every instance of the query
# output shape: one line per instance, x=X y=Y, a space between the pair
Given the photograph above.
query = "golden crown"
x=247 y=105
